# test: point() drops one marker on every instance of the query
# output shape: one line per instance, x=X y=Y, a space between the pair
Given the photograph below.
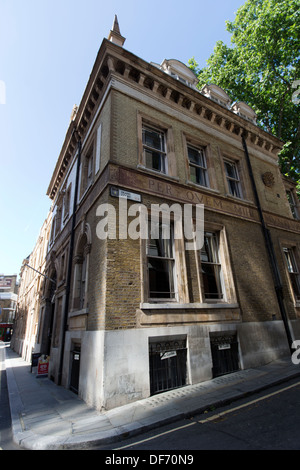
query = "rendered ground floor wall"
x=114 y=365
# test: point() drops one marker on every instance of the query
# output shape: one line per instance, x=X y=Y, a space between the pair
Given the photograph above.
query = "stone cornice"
x=113 y=61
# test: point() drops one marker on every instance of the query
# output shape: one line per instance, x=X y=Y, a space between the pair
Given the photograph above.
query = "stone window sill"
x=77 y=313
x=171 y=306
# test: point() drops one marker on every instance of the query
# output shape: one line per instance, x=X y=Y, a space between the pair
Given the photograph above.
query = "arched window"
x=81 y=261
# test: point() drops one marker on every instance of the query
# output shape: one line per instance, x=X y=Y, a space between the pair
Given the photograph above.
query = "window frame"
x=224 y=259
x=67 y=202
x=161 y=151
x=167 y=246
x=144 y=121
x=87 y=170
x=201 y=150
x=293 y=203
x=82 y=286
x=81 y=274
x=233 y=179
x=213 y=262
x=189 y=140
x=294 y=275
x=179 y=264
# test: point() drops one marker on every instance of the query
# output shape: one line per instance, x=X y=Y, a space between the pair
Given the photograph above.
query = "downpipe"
x=271 y=253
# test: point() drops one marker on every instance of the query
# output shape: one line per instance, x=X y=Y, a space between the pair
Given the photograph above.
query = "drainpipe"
x=69 y=272
x=271 y=252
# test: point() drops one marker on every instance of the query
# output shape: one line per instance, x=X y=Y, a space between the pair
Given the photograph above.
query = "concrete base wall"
x=114 y=365
x=261 y=343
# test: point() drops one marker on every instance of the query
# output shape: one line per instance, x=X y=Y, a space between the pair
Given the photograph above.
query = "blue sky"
x=47 y=50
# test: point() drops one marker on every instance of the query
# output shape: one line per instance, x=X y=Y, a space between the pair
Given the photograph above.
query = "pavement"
x=46 y=416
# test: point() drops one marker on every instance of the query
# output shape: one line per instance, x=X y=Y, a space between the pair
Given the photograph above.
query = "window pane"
x=153 y=139
x=198 y=169
x=209 y=251
x=198 y=175
x=161 y=240
x=197 y=156
x=159 y=247
x=296 y=285
x=293 y=271
x=288 y=259
x=211 y=281
x=231 y=170
x=161 y=283
x=233 y=188
x=155 y=160
x=233 y=179
x=292 y=203
x=160 y=261
x=210 y=267
x=193 y=155
x=154 y=149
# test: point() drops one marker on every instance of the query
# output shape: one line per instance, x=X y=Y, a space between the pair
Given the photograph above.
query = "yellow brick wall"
x=115 y=290
x=125 y=151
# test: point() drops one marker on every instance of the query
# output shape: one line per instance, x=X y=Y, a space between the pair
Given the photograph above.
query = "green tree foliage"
x=261 y=69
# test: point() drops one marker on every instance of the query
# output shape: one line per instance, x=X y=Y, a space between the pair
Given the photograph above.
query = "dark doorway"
x=75 y=367
x=167 y=365
x=225 y=354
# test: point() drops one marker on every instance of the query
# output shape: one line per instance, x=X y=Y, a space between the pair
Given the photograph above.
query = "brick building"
x=8 y=301
x=131 y=316
x=26 y=333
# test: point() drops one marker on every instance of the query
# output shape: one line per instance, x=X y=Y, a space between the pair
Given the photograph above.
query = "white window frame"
x=236 y=190
x=292 y=266
x=293 y=203
x=86 y=171
x=200 y=167
x=178 y=258
x=98 y=148
x=211 y=241
x=160 y=150
x=224 y=261
x=164 y=234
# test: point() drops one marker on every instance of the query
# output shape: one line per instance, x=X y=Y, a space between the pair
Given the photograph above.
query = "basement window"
x=168 y=363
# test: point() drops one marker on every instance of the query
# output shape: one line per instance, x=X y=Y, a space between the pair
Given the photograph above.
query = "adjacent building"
x=133 y=303
x=8 y=301
x=27 y=331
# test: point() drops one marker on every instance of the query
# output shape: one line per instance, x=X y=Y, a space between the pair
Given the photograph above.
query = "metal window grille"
x=167 y=365
x=225 y=356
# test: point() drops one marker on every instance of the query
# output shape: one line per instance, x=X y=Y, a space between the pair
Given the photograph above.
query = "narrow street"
x=266 y=421
x=269 y=420
x=6 y=438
